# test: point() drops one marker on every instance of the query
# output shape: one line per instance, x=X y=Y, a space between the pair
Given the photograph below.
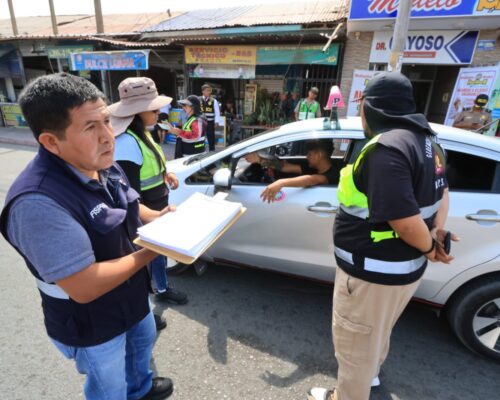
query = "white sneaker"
x=320 y=394
x=324 y=394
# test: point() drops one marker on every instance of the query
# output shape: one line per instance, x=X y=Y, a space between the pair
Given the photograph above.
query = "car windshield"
x=202 y=156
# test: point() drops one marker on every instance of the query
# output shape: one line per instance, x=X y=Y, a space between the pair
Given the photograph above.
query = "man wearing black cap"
x=477 y=118
x=393 y=207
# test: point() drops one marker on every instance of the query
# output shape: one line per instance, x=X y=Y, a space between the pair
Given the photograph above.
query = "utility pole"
x=99 y=22
x=400 y=35
x=13 y=18
x=53 y=18
x=98 y=16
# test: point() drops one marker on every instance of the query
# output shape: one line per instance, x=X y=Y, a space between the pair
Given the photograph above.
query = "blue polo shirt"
x=49 y=236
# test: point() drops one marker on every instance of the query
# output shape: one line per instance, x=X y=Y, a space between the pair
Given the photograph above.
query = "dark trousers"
x=211 y=135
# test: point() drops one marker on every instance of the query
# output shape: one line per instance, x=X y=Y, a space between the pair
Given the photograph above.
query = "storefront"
x=445 y=36
x=266 y=73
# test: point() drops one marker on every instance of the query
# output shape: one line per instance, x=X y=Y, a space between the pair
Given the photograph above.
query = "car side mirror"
x=223 y=179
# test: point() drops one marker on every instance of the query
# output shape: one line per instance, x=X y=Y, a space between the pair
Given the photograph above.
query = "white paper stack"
x=191 y=228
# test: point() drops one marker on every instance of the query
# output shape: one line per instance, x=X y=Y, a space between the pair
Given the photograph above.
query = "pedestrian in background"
x=308 y=108
x=393 y=208
x=144 y=163
x=211 y=112
x=191 y=137
x=72 y=215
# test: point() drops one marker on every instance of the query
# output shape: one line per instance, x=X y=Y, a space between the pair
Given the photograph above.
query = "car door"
x=474 y=214
x=293 y=235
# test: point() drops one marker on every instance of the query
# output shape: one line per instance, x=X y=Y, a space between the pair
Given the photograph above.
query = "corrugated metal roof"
x=82 y=25
x=31 y=25
x=287 y=13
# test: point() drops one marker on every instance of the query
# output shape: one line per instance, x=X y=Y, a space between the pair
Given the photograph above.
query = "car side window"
x=293 y=154
x=205 y=176
x=467 y=172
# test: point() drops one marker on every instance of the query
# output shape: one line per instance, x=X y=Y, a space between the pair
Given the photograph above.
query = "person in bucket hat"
x=144 y=163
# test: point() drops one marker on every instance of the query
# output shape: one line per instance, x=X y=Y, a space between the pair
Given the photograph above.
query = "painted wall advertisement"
x=110 y=60
x=221 y=71
x=470 y=83
x=360 y=79
x=386 y=9
x=428 y=47
x=236 y=55
x=306 y=54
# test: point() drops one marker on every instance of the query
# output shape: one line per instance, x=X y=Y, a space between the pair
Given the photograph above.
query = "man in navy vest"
x=72 y=216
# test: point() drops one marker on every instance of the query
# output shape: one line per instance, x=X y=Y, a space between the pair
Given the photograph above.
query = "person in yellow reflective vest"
x=191 y=137
x=308 y=108
x=144 y=163
x=393 y=205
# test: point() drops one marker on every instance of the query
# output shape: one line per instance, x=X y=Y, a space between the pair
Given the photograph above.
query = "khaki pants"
x=364 y=315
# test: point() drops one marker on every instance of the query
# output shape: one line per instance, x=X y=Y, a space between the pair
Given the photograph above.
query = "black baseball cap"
x=389 y=103
x=390 y=92
x=481 y=100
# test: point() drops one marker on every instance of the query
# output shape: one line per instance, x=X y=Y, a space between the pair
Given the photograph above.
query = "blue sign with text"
x=110 y=60
x=384 y=9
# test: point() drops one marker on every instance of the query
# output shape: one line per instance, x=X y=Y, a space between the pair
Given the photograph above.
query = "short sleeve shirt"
x=332 y=175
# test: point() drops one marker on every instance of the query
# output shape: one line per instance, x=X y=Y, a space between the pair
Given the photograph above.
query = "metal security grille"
x=303 y=77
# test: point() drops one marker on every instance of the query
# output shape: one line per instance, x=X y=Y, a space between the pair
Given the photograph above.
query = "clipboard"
x=182 y=258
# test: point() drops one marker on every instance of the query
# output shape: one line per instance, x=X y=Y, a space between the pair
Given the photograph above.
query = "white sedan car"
x=294 y=235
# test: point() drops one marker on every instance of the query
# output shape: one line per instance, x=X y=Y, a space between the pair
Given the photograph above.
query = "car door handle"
x=483 y=217
x=322 y=208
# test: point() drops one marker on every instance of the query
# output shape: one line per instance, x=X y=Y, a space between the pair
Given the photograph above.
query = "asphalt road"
x=245 y=335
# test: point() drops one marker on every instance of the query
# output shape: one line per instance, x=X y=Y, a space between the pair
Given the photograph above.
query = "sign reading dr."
x=386 y=9
x=428 y=47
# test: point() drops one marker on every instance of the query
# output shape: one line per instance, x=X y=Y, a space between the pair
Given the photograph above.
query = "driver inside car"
x=319 y=172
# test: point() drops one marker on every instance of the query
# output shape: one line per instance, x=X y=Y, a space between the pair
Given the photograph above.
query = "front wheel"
x=474 y=316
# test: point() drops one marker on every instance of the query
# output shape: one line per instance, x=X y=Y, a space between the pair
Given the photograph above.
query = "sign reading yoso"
x=428 y=47
x=384 y=9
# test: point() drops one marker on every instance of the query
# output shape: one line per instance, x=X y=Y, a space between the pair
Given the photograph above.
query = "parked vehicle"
x=294 y=236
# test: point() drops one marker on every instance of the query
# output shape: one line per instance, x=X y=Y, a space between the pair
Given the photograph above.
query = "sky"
x=24 y=8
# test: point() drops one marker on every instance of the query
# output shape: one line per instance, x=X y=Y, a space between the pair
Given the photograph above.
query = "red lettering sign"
x=389 y=6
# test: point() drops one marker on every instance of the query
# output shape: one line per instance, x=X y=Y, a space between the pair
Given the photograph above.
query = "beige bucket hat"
x=136 y=95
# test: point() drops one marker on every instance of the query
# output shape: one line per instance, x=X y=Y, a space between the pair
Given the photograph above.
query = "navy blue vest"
x=111 y=225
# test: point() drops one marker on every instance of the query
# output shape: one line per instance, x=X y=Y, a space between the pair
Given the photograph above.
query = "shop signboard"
x=289 y=54
x=12 y=114
x=428 y=47
x=65 y=51
x=235 y=55
x=387 y=9
x=360 y=79
x=110 y=60
x=221 y=71
x=470 y=83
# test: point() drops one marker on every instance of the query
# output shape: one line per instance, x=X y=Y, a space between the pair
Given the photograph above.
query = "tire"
x=176 y=268
x=474 y=316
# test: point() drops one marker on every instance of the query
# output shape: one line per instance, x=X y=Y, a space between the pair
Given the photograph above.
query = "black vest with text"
x=208 y=108
x=111 y=225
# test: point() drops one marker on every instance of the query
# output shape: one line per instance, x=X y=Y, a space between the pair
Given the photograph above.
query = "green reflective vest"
x=152 y=174
x=308 y=111
x=354 y=202
x=187 y=125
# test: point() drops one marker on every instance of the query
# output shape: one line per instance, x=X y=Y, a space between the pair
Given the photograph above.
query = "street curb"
x=19 y=142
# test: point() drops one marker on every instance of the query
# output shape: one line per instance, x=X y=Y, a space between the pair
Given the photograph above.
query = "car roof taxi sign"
x=335 y=101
